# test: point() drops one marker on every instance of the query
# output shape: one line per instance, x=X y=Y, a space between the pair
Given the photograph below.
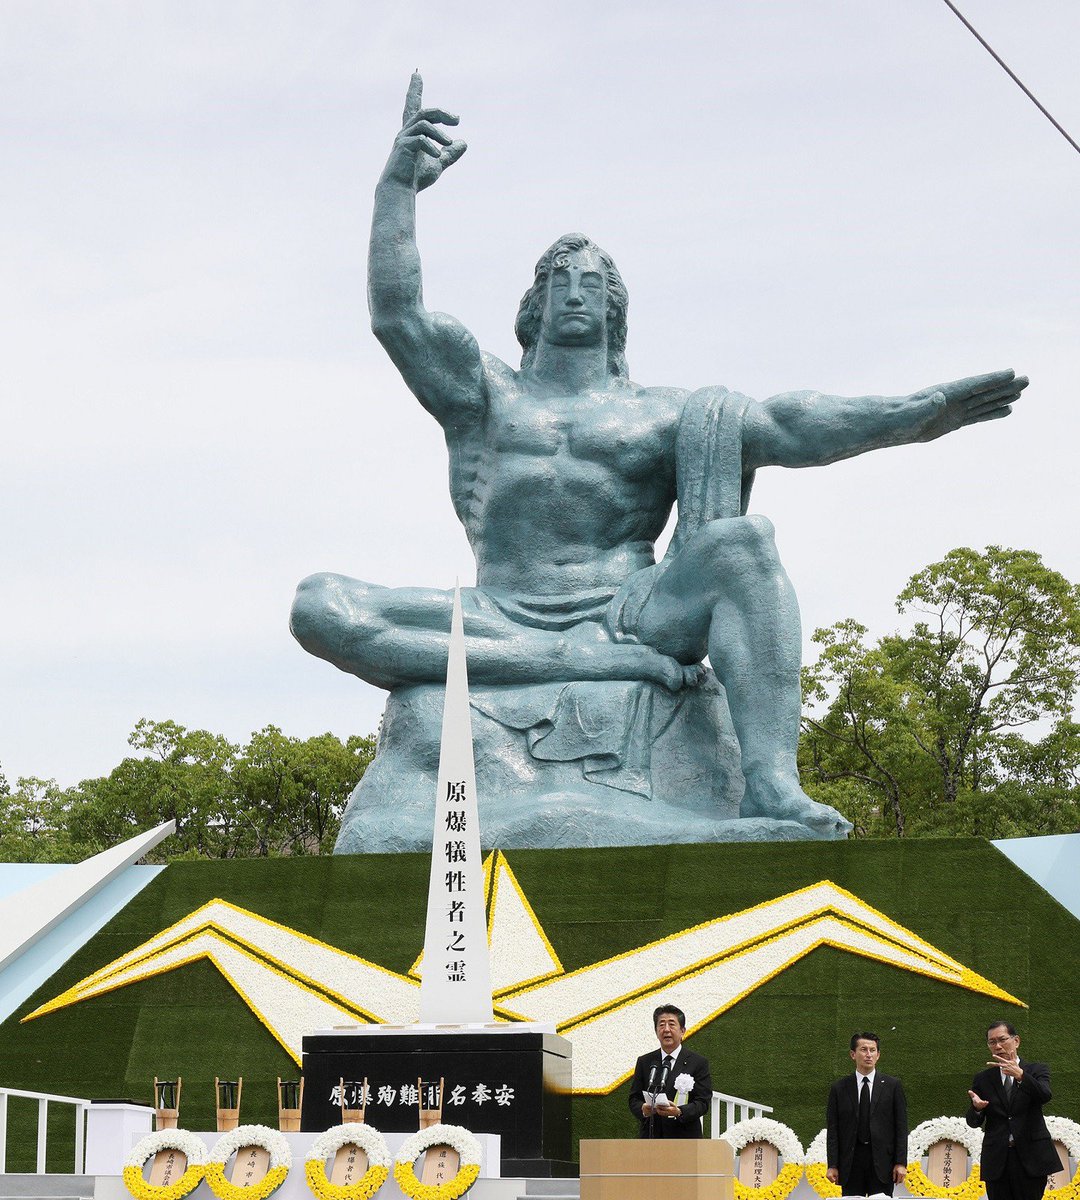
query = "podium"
x=648 y=1168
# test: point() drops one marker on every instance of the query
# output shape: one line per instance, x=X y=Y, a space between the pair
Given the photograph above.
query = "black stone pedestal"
x=515 y=1084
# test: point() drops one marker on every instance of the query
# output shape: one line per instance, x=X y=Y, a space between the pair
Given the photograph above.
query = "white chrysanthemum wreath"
x=1068 y=1134
x=454 y=1136
x=939 y=1129
x=327 y=1144
x=762 y=1129
x=227 y=1145
x=190 y=1146
x=817 y=1166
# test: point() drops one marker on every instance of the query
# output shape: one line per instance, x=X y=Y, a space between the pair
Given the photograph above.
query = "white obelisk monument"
x=455 y=986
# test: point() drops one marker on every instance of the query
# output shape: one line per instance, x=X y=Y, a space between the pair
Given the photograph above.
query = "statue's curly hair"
x=531 y=310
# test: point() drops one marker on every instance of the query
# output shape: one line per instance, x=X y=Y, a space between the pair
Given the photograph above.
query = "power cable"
x=1012 y=75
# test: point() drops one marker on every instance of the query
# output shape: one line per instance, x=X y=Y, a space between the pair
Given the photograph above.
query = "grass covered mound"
x=783 y=1045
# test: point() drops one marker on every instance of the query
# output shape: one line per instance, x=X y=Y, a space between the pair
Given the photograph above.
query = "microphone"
x=651 y=1091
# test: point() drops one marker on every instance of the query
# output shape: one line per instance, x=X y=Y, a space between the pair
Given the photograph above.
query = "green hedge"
x=782 y=1045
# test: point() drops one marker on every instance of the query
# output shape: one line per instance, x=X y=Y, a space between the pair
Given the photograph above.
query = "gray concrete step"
x=46 y=1187
x=554 y=1189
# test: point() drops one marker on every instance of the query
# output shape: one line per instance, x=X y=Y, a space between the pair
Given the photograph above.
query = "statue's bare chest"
x=625 y=433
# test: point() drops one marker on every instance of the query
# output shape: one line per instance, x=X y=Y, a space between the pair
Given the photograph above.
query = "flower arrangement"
x=454 y=1136
x=762 y=1129
x=1068 y=1134
x=248 y=1135
x=817 y=1164
x=922 y=1137
x=370 y=1140
x=190 y=1146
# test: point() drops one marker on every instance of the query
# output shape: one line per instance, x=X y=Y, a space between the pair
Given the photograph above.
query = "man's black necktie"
x=863 y=1127
x=1009 y=1086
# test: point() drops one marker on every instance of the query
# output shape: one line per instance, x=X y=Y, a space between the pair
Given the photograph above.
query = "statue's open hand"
x=969 y=401
x=422 y=151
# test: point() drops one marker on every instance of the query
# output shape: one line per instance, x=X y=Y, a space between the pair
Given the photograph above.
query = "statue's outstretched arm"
x=808 y=429
x=437 y=357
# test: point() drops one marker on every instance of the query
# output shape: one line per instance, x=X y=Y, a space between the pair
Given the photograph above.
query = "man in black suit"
x=678 y=1110
x=1007 y=1101
x=866 y=1125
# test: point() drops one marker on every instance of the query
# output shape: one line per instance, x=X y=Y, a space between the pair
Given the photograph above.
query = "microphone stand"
x=656 y=1096
x=649 y=1089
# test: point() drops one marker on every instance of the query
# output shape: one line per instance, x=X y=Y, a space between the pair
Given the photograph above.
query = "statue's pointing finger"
x=412 y=98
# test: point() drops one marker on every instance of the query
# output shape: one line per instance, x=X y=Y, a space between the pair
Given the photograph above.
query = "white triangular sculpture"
x=27 y=916
x=520 y=952
x=456 y=986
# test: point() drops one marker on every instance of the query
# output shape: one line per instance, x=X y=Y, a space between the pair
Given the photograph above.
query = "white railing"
x=735 y=1109
x=44 y=1099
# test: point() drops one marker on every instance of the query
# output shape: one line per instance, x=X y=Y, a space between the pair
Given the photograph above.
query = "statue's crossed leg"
x=397 y=637
x=724 y=593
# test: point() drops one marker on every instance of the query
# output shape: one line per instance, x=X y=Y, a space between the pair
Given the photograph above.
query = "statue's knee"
x=750 y=539
x=334 y=616
x=760 y=541
x=310 y=609
x=329 y=611
x=761 y=528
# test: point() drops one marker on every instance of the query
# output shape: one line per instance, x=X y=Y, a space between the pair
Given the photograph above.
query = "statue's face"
x=575 y=313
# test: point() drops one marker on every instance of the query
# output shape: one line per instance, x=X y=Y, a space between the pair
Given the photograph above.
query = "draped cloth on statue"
x=710 y=481
x=607 y=727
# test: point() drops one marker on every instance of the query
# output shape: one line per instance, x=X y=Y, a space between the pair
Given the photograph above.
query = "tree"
x=856 y=752
x=291 y=793
x=184 y=777
x=276 y=795
x=928 y=724
x=33 y=823
x=1000 y=651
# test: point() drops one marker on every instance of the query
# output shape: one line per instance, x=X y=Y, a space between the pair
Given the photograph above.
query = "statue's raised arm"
x=808 y=429
x=437 y=357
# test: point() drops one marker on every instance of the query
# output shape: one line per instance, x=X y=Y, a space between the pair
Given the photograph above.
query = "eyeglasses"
x=1000 y=1041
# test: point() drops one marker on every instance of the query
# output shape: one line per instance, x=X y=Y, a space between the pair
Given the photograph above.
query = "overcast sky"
x=836 y=194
